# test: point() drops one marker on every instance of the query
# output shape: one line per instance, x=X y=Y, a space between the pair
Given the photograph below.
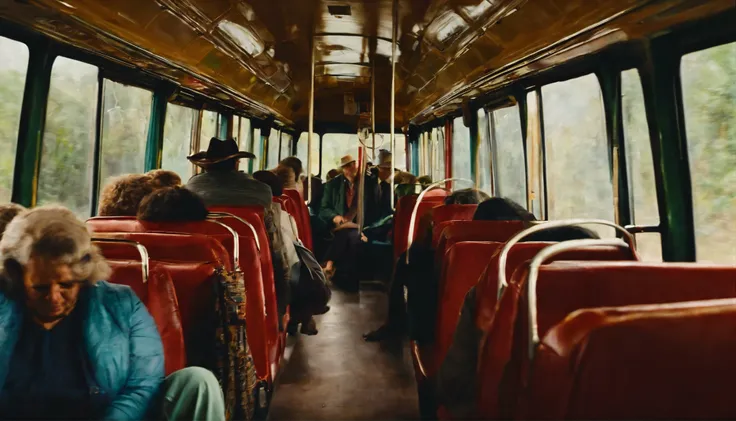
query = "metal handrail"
x=220 y=215
x=503 y=256
x=236 y=241
x=412 y=221
x=531 y=283
x=140 y=247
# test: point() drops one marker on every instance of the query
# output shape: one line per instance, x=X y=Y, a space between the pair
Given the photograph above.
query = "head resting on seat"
x=466 y=197
x=122 y=195
x=272 y=180
x=172 y=204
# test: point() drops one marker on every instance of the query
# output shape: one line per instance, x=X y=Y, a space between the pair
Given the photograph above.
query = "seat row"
x=580 y=329
x=207 y=284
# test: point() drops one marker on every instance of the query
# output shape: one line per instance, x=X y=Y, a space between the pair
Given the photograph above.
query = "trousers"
x=193 y=394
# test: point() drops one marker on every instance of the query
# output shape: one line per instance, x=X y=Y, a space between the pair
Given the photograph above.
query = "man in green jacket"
x=339 y=212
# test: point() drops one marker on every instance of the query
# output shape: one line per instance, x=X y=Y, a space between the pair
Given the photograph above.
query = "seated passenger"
x=122 y=195
x=172 y=204
x=332 y=174
x=456 y=382
x=8 y=211
x=424 y=181
x=76 y=347
x=284 y=238
x=293 y=178
x=164 y=178
x=221 y=184
x=420 y=268
x=339 y=211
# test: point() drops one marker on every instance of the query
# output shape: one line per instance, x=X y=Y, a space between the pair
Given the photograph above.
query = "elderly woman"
x=75 y=347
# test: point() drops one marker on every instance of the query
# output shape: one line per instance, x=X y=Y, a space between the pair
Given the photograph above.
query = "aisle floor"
x=335 y=375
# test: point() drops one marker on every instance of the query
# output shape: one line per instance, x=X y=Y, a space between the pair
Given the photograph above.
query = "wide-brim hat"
x=218 y=151
x=345 y=160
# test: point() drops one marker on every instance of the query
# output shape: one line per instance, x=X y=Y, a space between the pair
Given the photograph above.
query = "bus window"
x=125 y=115
x=209 y=128
x=535 y=164
x=509 y=155
x=334 y=147
x=461 y=157
x=578 y=171
x=438 y=146
x=483 y=162
x=257 y=149
x=285 y=145
x=708 y=80
x=244 y=134
x=301 y=151
x=640 y=164
x=272 y=157
x=13 y=69
x=178 y=140
x=69 y=137
x=236 y=130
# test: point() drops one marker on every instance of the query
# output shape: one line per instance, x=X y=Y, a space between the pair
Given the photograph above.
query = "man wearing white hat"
x=339 y=211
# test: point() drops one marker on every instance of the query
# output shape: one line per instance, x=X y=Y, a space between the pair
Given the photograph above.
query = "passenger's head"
x=8 y=212
x=286 y=175
x=501 y=209
x=332 y=174
x=567 y=233
x=122 y=195
x=295 y=164
x=47 y=258
x=466 y=197
x=164 y=178
x=385 y=165
x=425 y=181
x=349 y=167
x=403 y=177
x=172 y=204
x=272 y=180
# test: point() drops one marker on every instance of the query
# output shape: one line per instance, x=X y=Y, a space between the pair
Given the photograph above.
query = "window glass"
x=483 y=162
x=236 y=130
x=272 y=157
x=578 y=175
x=125 y=115
x=461 y=152
x=708 y=81
x=257 y=150
x=13 y=69
x=437 y=137
x=399 y=155
x=285 y=145
x=334 y=147
x=534 y=156
x=423 y=153
x=245 y=140
x=69 y=137
x=209 y=128
x=178 y=140
x=649 y=246
x=301 y=151
x=509 y=157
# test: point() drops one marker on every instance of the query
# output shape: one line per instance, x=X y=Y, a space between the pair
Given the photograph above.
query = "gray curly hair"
x=50 y=232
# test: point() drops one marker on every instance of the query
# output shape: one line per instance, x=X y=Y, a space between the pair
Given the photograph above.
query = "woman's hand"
x=338 y=220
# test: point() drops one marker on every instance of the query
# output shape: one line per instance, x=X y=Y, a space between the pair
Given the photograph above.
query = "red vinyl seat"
x=464 y=263
x=456 y=231
x=159 y=296
x=566 y=286
x=402 y=218
x=303 y=219
x=443 y=214
x=671 y=361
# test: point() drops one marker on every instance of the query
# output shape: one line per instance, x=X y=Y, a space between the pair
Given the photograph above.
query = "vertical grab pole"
x=394 y=18
x=311 y=130
x=373 y=111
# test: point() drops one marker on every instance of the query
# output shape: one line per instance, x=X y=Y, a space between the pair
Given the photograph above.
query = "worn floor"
x=335 y=375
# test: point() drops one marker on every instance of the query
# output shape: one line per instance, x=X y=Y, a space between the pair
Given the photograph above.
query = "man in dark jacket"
x=339 y=211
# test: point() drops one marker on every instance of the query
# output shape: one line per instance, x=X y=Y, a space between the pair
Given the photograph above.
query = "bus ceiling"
x=255 y=55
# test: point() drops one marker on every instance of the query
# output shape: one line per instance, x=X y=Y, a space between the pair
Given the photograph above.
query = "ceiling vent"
x=339 y=9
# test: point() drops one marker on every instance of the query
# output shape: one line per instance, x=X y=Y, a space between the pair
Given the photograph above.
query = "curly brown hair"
x=164 y=178
x=172 y=204
x=8 y=212
x=122 y=195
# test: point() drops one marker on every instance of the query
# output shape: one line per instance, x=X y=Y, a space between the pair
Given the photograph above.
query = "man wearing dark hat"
x=221 y=184
x=339 y=211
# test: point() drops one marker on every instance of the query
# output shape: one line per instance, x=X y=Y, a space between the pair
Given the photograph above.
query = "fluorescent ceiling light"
x=475 y=12
x=243 y=37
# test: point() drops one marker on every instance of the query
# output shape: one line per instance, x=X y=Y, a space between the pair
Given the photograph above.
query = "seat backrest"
x=159 y=296
x=498 y=320
x=462 y=267
x=167 y=246
x=302 y=218
x=455 y=231
x=445 y=213
x=672 y=361
x=402 y=219
x=212 y=229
